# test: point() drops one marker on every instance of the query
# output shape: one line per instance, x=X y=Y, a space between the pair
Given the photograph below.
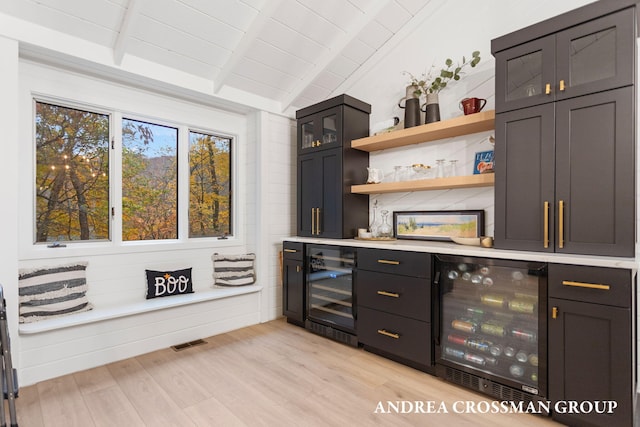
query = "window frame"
x=115 y=244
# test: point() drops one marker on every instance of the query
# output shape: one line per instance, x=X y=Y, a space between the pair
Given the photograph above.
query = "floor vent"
x=184 y=346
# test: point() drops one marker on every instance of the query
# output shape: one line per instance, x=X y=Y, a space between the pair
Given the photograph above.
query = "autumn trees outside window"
x=73 y=189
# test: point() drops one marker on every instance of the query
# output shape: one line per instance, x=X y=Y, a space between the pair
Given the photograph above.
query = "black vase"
x=432 y=108
x=412 y=113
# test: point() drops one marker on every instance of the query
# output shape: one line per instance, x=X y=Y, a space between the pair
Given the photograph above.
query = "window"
x=210 y=185
x=72 y=174
x=73 y=161
x=149 y=181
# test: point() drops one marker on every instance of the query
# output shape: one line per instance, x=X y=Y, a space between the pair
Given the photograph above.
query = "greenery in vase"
x=427 y=83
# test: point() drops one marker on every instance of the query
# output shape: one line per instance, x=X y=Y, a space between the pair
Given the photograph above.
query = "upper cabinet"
x=590 y=57
x=565 y=133
x=320 y=130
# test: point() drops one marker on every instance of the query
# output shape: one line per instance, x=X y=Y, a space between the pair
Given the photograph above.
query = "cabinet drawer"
x=600 y=285
x=406 y=338
x=402 y=295
x=416 y=264
x=293 y=250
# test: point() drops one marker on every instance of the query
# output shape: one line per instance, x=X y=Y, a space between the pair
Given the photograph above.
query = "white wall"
x=116 y=270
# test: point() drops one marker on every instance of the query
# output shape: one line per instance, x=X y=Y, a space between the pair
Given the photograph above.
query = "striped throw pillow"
x=51 y=292
x=233 y=270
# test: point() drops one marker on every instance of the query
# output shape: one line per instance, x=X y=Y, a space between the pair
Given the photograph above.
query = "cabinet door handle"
x=387 y=261
x=388 y=334
x=554 y=313
x=313 y=221
x=562 y=87
x=561 y=224
x=318 y=221
x=586 y=285
x=297 y=269
x=547 y=89
x=293 y=251
x=546 y=224
x=389 y=294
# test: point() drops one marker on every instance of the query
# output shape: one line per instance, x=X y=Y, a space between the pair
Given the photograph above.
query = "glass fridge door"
x=330 y=285
x=490 y=319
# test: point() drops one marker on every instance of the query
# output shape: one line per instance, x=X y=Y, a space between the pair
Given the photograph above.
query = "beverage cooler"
x=490 y=326
x=330 y=292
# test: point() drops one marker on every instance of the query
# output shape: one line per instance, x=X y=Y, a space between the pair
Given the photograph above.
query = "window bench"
x=99 y=314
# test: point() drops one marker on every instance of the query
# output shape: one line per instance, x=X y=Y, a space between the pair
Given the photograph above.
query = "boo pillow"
x=167 y=283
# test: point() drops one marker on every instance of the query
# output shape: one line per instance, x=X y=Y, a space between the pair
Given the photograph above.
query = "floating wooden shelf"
x=462 y=125
x=469 y=181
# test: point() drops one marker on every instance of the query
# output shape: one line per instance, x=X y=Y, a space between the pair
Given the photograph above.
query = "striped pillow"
x=51 y=292
x=233 y=270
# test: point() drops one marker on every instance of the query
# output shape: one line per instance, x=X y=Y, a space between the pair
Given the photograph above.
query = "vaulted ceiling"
x=291 y=52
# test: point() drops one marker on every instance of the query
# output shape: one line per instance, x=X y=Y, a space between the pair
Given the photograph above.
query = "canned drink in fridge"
x=475 y=312
x=453 y=352
x=522 y=306
x=479 y=344
x=516 y=370
x=509 y=351
x=495 y=350
x=533 y=359
x=493 y=300
x=494 y=329
x=491 y=361
x=456 y=339
x=523 y=334
x=474 y=358
x=464 y=325
x=521 y=356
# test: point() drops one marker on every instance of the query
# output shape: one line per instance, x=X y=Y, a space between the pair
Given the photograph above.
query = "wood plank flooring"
x=273 y=374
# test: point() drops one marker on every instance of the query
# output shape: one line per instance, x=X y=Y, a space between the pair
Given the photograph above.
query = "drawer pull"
x=554 y=313
x=389 y=294
x=387 y=261
x=388 y=334
x=586 y=285
x=291 y=250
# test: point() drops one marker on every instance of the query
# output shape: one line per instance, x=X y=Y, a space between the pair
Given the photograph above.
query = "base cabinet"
x=293 y=290
x=592 y=356
x=393 y=290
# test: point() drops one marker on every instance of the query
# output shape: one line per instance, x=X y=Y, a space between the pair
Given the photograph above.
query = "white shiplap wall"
x=116 y=272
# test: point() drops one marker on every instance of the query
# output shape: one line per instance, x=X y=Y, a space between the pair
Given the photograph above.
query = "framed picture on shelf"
x=483 y=162
x=438 y=225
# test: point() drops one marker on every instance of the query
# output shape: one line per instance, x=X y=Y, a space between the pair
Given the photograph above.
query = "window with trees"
x=73 y=153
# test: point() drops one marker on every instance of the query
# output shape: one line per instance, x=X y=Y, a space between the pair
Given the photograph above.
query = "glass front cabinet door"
x=320 y=131
x=587 y=58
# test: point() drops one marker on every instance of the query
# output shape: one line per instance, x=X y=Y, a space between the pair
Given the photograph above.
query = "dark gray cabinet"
x=592 y=351
x=591 y=57
x=565 y=176
x=565 y=133
x=293 y=289
x=393 y=290
x=328 y=166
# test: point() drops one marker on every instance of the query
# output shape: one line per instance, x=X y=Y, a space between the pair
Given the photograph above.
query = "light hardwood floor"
x=273 y=374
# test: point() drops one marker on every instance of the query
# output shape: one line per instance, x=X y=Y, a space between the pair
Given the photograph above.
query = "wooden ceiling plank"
x=328 y=57
x=128 y=22
x=243 y=47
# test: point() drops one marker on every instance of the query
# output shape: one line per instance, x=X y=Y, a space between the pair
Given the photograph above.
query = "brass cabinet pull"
x=318 y=221
x=313 y=221
x=547 y=89
x=554 y=313
x=586 y=285
x=386 y=261
x=291 y=250
x=561 y=224
x=297 y=269
x=562 y=87
x=389 y=294
x=388 y=334
x=546 y=224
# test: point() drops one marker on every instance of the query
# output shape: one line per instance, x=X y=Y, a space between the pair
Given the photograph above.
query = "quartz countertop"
x=449 y=248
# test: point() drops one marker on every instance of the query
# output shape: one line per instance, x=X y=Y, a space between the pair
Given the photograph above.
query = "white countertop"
x=448 y=248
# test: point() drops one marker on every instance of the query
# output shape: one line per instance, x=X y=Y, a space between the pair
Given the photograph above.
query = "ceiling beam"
x=336 y=49
x=128 y=21
x=264 y=15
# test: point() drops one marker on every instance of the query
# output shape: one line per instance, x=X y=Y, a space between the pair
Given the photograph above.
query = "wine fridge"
x=330 y=292
x=491 y=329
